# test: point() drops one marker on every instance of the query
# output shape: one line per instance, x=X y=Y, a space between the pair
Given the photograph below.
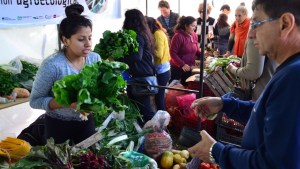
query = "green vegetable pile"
x=48 y=156
x=116 y=45
x=220 y=62
x=95 y=89
x=9 y=81
x=28 y=72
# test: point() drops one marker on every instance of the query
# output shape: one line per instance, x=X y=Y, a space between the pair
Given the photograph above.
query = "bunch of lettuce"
x=95 y=89
x=116 y=45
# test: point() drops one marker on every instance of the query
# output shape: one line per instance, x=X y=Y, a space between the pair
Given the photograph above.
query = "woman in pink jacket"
x=184 y=49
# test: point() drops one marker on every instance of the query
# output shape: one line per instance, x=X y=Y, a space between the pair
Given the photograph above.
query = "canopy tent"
x=33 y=31
x=38 y=40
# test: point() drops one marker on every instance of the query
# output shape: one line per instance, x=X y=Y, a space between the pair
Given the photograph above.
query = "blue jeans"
x=162 y=80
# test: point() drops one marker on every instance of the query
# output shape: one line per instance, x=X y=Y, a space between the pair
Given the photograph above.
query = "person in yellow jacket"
x=161 y=59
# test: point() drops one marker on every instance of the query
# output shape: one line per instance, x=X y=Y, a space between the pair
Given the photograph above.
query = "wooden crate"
x=219 y=83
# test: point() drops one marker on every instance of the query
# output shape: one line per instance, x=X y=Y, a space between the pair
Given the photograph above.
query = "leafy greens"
x=95 y=89
x=117 y=44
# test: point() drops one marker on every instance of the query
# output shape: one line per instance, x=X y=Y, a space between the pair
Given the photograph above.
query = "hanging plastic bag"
x=159 y=140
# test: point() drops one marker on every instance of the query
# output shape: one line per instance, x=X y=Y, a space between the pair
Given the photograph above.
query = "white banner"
x=15 y=13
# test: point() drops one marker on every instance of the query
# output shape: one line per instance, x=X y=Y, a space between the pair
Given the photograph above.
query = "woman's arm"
x=176 y=44
x=230 y=44
x=255 y=63
x=231 y=39
x=41 y=93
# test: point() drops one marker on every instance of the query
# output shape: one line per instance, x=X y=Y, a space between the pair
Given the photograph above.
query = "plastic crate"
x=229 y=131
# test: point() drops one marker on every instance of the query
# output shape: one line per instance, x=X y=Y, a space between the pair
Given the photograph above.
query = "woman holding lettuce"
x=64 y=123
x=141 y=63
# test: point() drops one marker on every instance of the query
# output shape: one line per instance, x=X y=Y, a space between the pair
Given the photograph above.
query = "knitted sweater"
x=54 y=68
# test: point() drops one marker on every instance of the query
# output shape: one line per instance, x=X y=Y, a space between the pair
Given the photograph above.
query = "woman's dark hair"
x=274 y=9
x=184 y=21
x=222 y=21
x=135 y=20
x=154 y=25
x=73 y=22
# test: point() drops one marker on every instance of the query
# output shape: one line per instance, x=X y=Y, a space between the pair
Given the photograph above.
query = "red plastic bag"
x=185 y=101
x=170 y=98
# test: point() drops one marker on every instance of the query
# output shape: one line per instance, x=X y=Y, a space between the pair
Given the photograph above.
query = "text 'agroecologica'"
x=28 y=3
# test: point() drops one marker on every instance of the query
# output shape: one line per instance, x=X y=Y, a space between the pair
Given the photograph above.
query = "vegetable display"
x=9 y=81
x=55 y=156
x=116 y=45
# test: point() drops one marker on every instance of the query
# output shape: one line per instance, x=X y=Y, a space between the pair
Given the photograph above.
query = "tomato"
x=214 y=166
x=204 y=166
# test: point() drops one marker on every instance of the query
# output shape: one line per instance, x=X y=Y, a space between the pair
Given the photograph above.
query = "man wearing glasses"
x=271 y=138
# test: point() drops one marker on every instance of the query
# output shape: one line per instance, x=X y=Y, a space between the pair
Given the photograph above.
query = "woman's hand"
x=186 y=68
x=207 y=106
x=197 y=62
x=231 y=68
x=83 y=115
x=73 y=106
x=227 y=54
x=202 y=148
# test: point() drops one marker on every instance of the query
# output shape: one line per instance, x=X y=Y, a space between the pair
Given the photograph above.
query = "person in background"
x=64 y=123
x=255 y=70
x=271 y=137
x=238 y=32
x=225 y=9
x=221 y=32
x=141 y=63
x=210 y=24
x=161 y=59
x=184 y=49
x=168 y=19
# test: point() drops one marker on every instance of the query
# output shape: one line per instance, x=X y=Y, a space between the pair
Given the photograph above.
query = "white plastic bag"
x=14 y=66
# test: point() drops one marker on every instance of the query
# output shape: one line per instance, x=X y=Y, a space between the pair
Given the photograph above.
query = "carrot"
x=8 y=97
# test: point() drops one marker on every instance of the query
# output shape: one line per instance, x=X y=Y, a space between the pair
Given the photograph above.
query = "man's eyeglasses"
x=256 y=24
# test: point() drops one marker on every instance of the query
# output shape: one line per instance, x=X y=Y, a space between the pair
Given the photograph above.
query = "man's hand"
x=202 y=148
x=207 y=106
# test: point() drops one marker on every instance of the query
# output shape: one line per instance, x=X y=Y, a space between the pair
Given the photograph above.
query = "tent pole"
x=59 y=42
x=146 y=7
x=203 y=32
x=179 y=7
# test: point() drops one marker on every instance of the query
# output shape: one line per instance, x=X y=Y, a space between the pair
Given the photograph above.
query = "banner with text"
x=15 y=13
